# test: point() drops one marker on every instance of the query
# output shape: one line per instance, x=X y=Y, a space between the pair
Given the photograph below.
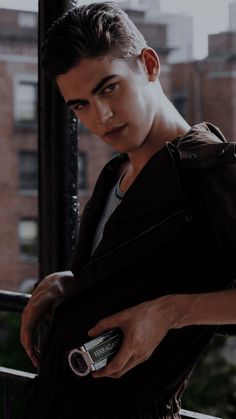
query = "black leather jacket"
x=190 y=181
x=174 y=232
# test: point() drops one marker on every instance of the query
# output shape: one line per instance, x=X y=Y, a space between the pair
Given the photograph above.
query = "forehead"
x=83 y=77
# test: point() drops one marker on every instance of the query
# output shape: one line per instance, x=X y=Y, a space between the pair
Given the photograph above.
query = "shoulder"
x=207 y=166
x=204 y=146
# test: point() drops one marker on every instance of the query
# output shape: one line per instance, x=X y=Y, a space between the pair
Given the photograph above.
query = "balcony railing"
x=12 y=302
x=15 y=302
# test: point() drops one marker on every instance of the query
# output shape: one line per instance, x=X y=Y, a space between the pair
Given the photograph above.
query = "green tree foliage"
x=12 y=355
x=212 y=386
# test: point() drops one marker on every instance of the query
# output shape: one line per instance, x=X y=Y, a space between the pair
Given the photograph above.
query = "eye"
x=79 y=106
x=110 y=88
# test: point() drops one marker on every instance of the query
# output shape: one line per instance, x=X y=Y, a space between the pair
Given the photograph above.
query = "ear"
x=151 y=63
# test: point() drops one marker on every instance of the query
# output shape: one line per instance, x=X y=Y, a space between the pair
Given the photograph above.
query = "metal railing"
x=10 y=378
x=12 y=302
x=15 y=302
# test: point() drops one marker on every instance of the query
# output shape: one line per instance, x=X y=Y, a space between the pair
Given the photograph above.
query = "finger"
x=32 y=313
x=117 y=364
x=27 y=343
x=127 y=367
x=29 y=322
x=34 y=359
x=116 y=374
x=104 y=324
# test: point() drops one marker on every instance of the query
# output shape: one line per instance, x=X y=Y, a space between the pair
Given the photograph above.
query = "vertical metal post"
x=58 y=162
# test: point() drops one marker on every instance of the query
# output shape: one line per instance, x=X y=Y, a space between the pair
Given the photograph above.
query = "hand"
x=144 y=326
x=48 y=294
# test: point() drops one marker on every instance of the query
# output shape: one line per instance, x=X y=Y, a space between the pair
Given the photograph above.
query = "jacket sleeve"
x=209 y=173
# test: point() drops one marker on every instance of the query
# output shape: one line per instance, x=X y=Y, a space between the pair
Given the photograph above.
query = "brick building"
x=205 y=90
x=18 y=148
x=201 y=90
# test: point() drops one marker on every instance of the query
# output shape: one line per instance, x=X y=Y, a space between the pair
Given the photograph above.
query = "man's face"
x=111 y=99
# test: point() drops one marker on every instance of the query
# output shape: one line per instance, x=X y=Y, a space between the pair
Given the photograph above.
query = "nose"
x=102 y=112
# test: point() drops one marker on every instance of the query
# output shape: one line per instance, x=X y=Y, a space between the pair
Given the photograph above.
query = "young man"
x=156 y=249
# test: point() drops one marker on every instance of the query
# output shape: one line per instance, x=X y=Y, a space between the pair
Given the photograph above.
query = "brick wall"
x=209 y=86
x=16 y=43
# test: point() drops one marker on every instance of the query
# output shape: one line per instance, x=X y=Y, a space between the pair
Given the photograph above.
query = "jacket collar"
x=155 y=192
x=159 y=182
x=157 y=185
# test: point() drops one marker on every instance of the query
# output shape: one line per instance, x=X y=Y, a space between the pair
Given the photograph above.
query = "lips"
x=114 y=131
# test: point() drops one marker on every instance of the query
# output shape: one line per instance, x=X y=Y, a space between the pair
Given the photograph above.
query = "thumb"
x=102 y=326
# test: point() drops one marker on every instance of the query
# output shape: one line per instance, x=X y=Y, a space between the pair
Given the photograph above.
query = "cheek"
x=84 y=119
x=139 y=108
x=144 y=116
x=131 y=106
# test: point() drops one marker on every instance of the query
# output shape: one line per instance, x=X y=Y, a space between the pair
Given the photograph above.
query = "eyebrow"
x=100 y=84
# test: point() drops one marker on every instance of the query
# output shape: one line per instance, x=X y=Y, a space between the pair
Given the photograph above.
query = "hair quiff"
x=88 y=31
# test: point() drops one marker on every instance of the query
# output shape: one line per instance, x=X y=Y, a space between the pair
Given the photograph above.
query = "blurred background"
x=196 y=43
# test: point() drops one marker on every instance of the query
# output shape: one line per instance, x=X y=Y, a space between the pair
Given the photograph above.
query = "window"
x=28 y=238
x=28 y=171
x=27 y=20
x=82 y=170
x=25 y=101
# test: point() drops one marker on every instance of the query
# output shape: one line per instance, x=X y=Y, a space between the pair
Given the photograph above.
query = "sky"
x=209 y=16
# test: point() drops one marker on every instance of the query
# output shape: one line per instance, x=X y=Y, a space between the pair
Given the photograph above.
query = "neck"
x=167 y=125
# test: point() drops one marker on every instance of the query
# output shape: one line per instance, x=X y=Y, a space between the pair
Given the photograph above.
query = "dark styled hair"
x=90 y=31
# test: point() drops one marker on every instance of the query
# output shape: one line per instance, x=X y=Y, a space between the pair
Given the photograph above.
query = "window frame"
x=23 y=255
x=27 y=191
x=27 y=78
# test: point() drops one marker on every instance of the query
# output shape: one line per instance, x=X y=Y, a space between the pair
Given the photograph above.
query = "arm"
x=145 y=325
x=215 y=308
x=48 y=294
